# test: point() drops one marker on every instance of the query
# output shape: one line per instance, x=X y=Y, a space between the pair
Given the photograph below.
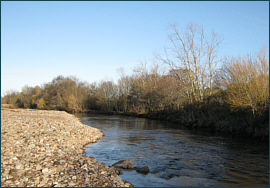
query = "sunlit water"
x=176 y=156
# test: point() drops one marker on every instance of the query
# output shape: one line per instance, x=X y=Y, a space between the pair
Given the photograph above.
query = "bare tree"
x=10 y=96
x=107 y=92
x=192 y=51
x=124 y=85
x=212 y=57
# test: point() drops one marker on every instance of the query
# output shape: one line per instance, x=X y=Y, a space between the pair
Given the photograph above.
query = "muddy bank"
x=45 y=149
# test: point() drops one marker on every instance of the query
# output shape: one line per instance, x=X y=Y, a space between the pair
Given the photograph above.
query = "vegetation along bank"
x=189 y=84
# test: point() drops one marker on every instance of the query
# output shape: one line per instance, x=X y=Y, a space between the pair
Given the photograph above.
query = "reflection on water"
x=177 y=156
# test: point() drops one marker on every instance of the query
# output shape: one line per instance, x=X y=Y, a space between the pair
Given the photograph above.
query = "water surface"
x=177 y=156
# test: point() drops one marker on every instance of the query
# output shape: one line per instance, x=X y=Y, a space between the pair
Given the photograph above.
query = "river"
x=177 y=156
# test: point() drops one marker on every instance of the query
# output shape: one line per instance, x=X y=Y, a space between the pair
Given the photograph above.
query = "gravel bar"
x=41 y=148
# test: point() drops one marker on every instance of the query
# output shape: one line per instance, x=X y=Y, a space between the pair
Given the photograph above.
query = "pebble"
x=42 y=148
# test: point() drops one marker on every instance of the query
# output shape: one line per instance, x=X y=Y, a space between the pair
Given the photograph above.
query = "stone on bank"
x=42 y=148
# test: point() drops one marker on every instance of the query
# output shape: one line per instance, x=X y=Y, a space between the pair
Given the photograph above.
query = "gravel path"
x=42 y=148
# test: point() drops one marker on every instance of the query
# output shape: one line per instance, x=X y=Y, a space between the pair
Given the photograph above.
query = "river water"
x=177 y=156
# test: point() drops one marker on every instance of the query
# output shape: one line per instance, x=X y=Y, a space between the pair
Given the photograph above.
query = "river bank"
x=41 y=148
x=228 y=124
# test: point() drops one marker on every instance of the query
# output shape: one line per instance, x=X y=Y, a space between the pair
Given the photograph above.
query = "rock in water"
x=125 y=164
x=144 y=170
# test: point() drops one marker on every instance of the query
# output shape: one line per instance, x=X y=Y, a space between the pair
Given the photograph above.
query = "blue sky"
x=92 y=40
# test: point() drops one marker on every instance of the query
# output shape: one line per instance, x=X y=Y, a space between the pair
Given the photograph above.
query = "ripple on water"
x=178 y=157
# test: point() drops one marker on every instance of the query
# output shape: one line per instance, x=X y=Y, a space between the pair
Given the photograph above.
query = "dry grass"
x=9 y=106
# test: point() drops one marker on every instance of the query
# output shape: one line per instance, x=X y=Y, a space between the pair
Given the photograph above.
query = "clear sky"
x=92 y=40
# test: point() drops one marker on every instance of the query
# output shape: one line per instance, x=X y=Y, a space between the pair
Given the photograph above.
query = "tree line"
x=184 y=85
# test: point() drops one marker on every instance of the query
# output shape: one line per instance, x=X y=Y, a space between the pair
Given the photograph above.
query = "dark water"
x=176 y=156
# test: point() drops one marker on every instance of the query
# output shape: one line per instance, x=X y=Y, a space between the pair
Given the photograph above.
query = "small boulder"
x=125 y=164
x=143 y=170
